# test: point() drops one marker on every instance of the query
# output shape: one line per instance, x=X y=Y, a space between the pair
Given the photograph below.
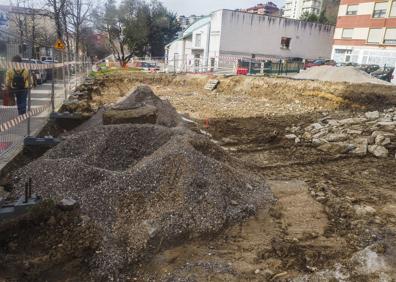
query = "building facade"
x=220 y=39
x=294 y=9
x=366 y=32
x=269 y=8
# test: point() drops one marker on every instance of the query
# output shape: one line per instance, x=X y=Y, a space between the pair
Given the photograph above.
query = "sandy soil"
x=335 y=219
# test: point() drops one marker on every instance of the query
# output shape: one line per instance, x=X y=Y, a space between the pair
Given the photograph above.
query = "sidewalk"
x=12 y=139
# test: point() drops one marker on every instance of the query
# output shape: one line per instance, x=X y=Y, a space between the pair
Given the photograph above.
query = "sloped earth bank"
x=335 y=218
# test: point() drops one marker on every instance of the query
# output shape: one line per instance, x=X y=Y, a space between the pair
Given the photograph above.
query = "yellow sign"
x=60 y=45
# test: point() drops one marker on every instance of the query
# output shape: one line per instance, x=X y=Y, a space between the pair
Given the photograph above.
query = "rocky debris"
x=372 y=115
x=368 y=133
x=212 y=84
x=146 y=186
x=142 y=106
x=378 y=151
x=67 y=204
x=79 y=100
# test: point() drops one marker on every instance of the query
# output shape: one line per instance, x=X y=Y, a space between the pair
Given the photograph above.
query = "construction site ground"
x=335 y=215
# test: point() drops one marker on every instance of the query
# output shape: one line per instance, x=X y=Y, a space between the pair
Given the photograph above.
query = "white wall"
x=366 y=55
x=261 y=35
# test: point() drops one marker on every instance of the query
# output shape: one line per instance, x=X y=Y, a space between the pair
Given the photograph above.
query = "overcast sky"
x=203 y=7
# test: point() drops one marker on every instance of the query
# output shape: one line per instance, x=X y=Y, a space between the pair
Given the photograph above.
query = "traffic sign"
x=59 y=45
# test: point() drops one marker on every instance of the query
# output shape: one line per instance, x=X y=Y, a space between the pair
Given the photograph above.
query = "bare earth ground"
x=335 y=218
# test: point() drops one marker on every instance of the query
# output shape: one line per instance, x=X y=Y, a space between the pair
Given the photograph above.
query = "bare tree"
x=79 y=13
x=57 y=8
x=19 y=19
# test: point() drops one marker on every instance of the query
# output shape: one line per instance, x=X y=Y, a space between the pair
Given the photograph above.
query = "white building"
x=223 y=37
x=294 y=9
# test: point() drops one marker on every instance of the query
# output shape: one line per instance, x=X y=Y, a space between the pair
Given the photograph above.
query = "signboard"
x=59 y=45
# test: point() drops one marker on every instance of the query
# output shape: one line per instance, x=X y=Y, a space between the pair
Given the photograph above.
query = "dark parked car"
x=319 y=62
x=369 y=68
x=385 y=73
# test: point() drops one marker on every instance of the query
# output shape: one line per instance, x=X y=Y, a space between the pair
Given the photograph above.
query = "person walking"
x=17 y=83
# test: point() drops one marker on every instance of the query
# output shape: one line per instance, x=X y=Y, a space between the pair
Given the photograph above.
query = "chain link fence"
x=34 y=81
x=231 y=65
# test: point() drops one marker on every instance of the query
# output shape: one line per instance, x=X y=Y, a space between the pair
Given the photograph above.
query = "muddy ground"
x=335 y=218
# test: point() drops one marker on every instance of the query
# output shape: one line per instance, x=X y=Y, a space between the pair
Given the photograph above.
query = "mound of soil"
x=142 y=106
x=147 y=187
x=339 y=74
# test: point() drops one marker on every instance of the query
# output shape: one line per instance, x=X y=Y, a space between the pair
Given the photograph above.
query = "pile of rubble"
x=79 y=100
x=146 y=186
x=142 y=106
x=370 y=133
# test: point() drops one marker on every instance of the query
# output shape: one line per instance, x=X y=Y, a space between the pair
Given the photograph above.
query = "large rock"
x=372 y=115
x=350 y=121
x=378 y=151
x=141 y=115
x=336 y=137
x=361 y=145
x=336 y=148
x=142 y=106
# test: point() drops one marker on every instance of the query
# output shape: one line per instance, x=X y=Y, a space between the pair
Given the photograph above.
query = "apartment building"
x=366 y=32
x=269 y=8
x=294 y=9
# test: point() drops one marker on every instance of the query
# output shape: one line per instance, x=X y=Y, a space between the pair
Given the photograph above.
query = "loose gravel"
x=147 y=187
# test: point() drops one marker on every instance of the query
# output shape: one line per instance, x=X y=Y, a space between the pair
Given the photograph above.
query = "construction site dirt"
x=326 y=150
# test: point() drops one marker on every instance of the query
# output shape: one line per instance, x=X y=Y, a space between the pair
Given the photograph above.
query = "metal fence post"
x=64 y=75
x=53 y=88
x=29 y=105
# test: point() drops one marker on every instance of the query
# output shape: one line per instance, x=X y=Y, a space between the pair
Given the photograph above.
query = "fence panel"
x=48 y=78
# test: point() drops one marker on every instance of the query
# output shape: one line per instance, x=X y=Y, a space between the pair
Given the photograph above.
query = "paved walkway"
x=11 y=140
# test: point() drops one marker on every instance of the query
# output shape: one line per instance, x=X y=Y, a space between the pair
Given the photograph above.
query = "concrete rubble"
x=370 y=133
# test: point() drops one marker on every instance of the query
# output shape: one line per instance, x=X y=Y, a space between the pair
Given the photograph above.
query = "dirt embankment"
x=239 y=96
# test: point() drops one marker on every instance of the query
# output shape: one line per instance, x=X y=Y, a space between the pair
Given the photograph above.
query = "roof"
x=198 y=24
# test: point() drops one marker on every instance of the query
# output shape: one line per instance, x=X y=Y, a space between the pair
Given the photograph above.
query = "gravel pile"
x=141 y=104
x=147 y=187
x=339 y=74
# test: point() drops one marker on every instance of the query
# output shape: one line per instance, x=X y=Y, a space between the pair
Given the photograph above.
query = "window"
x=285 y=42
x=198 y=40
x=375 y=35
x=380 y=10
x=393 y=9
x=347 y=33
x=352 y=10
x=390 y=36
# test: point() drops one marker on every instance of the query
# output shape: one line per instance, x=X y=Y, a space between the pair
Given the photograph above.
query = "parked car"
x=369 y=68
x=149 y=67
x=318 y=62
x=41 y=74
x=385 y=73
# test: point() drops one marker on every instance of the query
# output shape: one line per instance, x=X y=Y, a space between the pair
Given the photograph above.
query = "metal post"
x=75 y=69
x=29 y=105
x=68 y=72
x=174 y=62
x=64 y=75
x=53 y=88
